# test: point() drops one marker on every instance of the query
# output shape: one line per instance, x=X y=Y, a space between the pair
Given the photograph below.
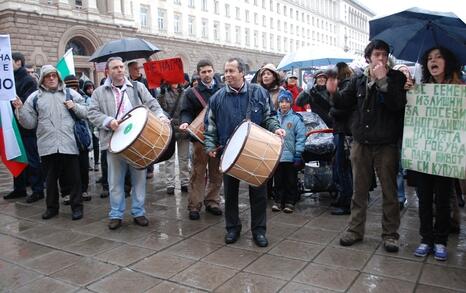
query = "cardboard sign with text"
x=434 y=135
x=168 y=71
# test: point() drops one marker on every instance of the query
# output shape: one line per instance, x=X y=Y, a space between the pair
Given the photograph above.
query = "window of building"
x=272 y=41
x=192 y=25
x=205 y=28
x=278 y=8
x=279 y=28
x=246 y=15
x=247 y=37
x=256 y=39
x=191 y=3
x=216 y=7
x=256 y=21
x=144 y=16
x=204 y=5
x=271 y=23
x=227 y=10
x=279 y=43
x=78 y=3
x=263 y=4
x=237 y=35
x=177 y=23
x=285 y=27
x=177 y=2
x=264 y=21
x=264 y=40
x=237 y=13
x=217 y=31
x=291 y=12
x=285 y=44
x=227 y=33
x=285 y=11
x=162 y=19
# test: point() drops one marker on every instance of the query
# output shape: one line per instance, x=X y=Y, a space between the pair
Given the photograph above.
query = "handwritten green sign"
x=434 y=135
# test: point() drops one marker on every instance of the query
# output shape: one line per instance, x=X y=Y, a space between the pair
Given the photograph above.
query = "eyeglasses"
x=51 y=75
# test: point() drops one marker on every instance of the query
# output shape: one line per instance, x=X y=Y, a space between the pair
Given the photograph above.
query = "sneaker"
x=390 y=244
x=184 y=188
x=422 y=250
x=289 y=208
x=15 y=194
x=349 y=239
x=86 y=196
x=66 y=200
x=276 y=207
x=440 y=252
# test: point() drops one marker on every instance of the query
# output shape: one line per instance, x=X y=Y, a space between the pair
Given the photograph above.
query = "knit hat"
x=71 y=81
x=285 y=95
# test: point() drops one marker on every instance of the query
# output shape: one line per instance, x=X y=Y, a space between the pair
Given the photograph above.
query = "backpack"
x=80 y=129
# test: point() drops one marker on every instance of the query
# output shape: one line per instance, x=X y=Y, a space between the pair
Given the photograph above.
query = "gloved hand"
x=298 y=162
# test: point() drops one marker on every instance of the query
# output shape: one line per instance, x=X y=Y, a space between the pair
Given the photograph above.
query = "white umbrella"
x=313 y=57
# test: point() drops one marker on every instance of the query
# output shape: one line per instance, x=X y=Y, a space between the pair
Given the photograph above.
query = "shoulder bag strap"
x=199 y=97
x=69 y=97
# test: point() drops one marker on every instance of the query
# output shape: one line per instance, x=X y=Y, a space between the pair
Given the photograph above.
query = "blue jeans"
x=343 y=175
x=117 y=168
x=400 y=182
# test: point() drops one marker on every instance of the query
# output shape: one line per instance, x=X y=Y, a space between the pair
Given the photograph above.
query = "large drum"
x=196 y=128
x=141 y=138
x=251 y=154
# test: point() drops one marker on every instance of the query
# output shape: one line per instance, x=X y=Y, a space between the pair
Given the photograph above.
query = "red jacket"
x=295 y=90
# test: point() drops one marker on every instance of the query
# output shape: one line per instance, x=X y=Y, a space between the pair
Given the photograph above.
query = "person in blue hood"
x=286 y=175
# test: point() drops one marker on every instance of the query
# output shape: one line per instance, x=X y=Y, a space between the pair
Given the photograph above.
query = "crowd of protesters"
x=364 y=110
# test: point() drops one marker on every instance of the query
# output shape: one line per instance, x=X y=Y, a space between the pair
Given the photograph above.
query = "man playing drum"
x=195 y=100
x=236 y=101
x=109 y=104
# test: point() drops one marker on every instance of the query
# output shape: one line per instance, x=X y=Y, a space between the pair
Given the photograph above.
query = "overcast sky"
x=384 y=7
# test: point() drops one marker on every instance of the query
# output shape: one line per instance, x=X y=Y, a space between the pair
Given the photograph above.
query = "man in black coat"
x=26 y=85
x=379 y=99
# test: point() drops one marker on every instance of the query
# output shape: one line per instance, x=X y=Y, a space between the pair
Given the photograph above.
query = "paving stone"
x=124 y=280
x=204 y=276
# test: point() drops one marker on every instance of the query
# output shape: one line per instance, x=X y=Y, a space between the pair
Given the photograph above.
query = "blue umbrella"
x=413 y=31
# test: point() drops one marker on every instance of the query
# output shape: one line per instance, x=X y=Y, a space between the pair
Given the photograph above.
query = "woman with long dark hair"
x=440 y=66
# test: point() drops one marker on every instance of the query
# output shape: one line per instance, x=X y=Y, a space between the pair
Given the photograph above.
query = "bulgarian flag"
x=12 y=150
x=11 y=146
x=66 y=64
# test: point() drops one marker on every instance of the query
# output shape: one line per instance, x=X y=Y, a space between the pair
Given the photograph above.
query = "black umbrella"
x=413 y=31
x=127 y=49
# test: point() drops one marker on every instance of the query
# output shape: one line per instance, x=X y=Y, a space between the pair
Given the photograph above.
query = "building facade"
x=259 y=31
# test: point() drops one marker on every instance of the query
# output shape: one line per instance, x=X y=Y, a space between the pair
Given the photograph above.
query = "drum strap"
x=121 y=102
x=248 y=109
x=199 y=97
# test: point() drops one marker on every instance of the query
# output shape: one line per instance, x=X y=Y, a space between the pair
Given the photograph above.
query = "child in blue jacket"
x=286 y=175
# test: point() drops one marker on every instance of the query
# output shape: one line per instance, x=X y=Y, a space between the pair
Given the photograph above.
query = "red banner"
x=168 y=71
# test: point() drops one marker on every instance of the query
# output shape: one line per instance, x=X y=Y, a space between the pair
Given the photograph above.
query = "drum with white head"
x=141 y=137
x=251 y=154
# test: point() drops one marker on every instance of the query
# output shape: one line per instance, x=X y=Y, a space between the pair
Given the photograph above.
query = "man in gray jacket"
x=109 y=103
x=48 y=110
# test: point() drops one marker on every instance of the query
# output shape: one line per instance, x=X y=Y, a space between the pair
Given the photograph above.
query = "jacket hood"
x=46 y=69
x=270 y=67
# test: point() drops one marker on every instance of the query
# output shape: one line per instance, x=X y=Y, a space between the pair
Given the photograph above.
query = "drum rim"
x=241 y=150
x=191 y=132
x=145 y=122
x=170 y=137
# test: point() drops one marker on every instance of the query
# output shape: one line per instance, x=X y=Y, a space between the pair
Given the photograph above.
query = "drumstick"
x=127 y=116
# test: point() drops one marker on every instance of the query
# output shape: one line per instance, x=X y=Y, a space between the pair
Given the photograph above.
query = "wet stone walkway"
x=174 y=254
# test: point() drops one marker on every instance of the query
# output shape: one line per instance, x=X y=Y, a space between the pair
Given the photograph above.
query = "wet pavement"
x=174 y=254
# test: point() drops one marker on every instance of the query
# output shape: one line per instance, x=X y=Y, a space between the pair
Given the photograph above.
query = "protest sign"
x=7 y=80
x=168 y=71
x=434 y=135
